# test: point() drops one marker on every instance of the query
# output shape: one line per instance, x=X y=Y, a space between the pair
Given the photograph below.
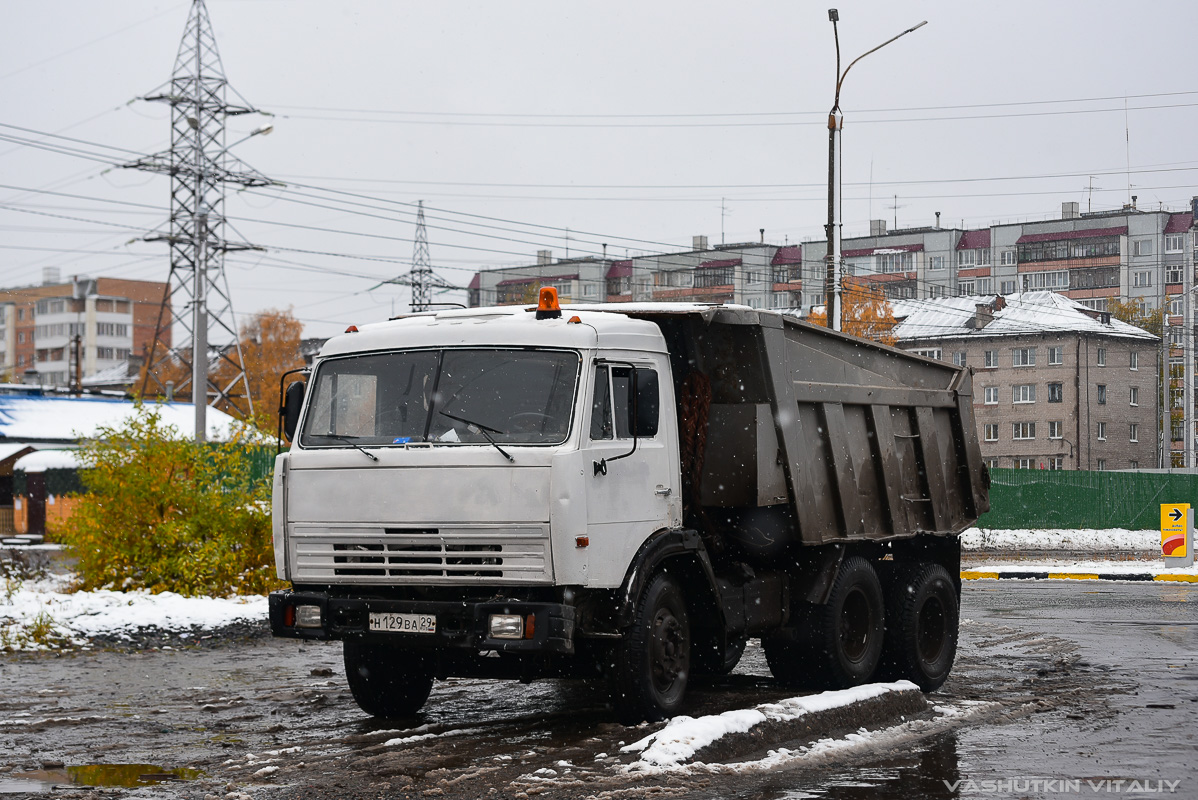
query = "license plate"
x=403 y=623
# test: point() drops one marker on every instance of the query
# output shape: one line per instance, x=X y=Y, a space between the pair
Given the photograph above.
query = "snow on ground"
x=683 y=736
x=1081 y=567
x=1047 y=539
x=73 y=618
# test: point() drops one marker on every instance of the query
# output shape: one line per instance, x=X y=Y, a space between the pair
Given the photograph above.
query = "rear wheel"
x=838 y=644
x=652 y=665
x=386 y=681
x=714 y=660
x=922 y=615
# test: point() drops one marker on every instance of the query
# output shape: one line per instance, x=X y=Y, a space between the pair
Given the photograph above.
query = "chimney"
x=1194 y=208
x=1134 y=198
x=544 y=257
x=51 y=276
x=937 y=219
x=1070 y=210
x=698 y=243
x=877 y=227
x=983 y=316
x=762 y=232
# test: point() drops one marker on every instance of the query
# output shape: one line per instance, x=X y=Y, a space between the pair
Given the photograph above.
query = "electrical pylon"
x=421 y=277
x=197 y=298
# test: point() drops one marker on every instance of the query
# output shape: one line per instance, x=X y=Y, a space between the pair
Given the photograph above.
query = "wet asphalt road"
x=1055 y=682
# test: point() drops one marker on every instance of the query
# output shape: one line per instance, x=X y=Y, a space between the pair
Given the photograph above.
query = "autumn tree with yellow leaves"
x=867 y=312
x=270 y=346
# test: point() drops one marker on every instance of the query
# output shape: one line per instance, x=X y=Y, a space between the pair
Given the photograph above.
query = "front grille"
x=420 y=555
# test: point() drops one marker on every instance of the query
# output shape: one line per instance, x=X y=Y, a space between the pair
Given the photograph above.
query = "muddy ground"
x=1110 y=674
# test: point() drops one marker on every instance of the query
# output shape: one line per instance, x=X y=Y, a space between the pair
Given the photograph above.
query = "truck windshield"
x=452 y=396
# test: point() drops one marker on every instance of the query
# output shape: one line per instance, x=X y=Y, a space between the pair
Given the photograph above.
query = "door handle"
x=662 y=491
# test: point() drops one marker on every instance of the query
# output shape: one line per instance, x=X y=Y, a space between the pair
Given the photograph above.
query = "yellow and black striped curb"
x=1023 y=574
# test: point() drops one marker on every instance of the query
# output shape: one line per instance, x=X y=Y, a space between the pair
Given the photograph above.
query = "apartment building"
x=85 y=326
x=1056 y=385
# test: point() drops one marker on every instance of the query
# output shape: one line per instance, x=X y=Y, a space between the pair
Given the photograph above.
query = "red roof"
x=1179 y=223
x=974 y=240
x=726 y=262
x=893 y=248
x=791 y=254
x=519 y=281
x=620 y=269
x=476 y=281
x=1089 y=233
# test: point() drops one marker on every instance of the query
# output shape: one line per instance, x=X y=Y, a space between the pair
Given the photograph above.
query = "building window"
x=992 y=463
x=1056 y=463
x=959 y=359
x=1054 y=430
x=1056 y=356
x=1046 y=281
x=1023 y=463
x=1135 y=395
x=1102 y=431
x=21 y=337
x=1135 y=432
x=1101 y=464
x=1007 y=258
x=992 y=432
x=1101 y=394
x=1141 y=247
x=1133 y=464
x=1023 y=430
x=1056 y=392
x=1174 y=242
x=1142 y=279
x=965 y=288
x=1135 y=360
x=1023 y=393
x=20 y=314
x=991 y=359
x=937 y=291
x=991 y=393
x=1102 y=356
x=1173 y=275
x=1023 y=357
x=936 y=263
x=1008 y=287
x=1095 y=304
x=934 y=352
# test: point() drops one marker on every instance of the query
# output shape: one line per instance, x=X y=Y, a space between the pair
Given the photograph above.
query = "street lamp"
x=832 y=230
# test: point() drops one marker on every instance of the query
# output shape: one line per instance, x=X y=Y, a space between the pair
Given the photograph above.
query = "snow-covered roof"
x=67 y=419
x=1022 y=314
x=107 y=377
x=7 y=451
x=43 y=460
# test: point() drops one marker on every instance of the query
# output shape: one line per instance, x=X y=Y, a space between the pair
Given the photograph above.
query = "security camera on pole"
x=833 y=229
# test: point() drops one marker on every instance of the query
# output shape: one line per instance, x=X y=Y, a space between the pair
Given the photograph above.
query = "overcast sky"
x=632 y=124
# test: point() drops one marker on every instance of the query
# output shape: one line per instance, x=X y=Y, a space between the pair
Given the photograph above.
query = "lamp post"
x=832 y=230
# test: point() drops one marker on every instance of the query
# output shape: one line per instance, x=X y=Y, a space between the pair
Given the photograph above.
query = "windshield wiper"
x=478 y=426
x=350 y=441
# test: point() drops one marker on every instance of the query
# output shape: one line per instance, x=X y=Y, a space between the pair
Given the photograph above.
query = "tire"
x=837 y=644
x=385 y=681
x=923 y=615
x=652 y=664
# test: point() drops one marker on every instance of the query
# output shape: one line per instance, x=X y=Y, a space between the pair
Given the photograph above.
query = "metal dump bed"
x=794 y=434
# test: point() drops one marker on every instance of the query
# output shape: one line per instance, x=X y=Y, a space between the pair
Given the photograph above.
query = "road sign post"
x=1177 y=534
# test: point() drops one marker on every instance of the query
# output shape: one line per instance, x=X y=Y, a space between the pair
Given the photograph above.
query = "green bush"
x=168 y=514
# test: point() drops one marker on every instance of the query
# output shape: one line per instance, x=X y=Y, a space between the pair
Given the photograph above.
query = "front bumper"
x=461 y=626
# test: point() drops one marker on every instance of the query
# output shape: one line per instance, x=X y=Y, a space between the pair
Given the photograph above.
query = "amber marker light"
x=582 y=541
x=574 y=320
x=547 y=305
x=530 y=626
x=352 y=329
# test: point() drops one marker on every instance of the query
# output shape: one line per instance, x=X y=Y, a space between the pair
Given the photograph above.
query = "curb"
x=1021 y=574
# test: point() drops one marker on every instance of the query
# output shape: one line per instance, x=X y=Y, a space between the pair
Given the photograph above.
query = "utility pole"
x=421 y=277
x=833 y=229
x=1187 y=338
x=197 y=298
x=78 y=348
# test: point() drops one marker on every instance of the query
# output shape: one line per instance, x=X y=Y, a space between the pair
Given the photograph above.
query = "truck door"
x=631 y=492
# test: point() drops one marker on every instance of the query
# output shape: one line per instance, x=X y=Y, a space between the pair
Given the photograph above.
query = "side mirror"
x=293 y=399
x=647 y=402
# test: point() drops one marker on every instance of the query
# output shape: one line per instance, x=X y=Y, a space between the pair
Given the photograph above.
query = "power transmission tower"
x=421 y=278
x=197 y=298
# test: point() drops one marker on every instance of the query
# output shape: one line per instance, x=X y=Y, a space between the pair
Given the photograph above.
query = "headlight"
x=507 y=626
x=307 y=616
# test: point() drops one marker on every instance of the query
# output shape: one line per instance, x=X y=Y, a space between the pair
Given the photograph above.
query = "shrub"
x=168 y=514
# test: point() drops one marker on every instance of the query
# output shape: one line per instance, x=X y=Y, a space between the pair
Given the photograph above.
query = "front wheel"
x=651 y=666
x=385 y=681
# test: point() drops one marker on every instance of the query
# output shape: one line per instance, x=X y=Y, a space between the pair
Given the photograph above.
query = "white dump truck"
x=626 y=493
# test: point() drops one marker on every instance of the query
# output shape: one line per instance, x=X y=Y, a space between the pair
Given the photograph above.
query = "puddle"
x=125 y=775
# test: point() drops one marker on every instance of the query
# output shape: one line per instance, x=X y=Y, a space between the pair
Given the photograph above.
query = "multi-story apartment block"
x=53 y=332
x=1056 y=385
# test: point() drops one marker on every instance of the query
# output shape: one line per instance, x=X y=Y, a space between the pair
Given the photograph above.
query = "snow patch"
x=1055 y=539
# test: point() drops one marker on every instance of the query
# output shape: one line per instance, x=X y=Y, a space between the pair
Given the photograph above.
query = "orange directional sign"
x=1173 y=529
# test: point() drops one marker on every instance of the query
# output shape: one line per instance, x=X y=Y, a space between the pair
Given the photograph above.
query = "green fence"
x=1021 y=498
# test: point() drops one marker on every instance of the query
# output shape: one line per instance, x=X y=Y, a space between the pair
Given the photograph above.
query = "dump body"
x=815 y=437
